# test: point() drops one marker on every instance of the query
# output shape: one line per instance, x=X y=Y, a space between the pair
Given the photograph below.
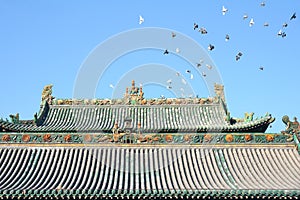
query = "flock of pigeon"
x=211 y=47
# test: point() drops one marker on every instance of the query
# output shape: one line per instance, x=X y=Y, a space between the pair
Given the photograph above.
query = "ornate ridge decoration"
x=187 y=137
x=26 y=138
x=68 y=138
x=229 y=138
x=47 y=138
x=88 y=138
x=6 y=138
x=207 y=137
x=47 y=94
x=145 y=102
x=134 y=96
x=248 y=137
x=269 y=137
x=144 y=138
x=292 y=128
x=169 y=138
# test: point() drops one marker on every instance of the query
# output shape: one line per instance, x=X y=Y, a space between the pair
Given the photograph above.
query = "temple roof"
x=141 y=171
x=146 y=148
x=154 y=118
x=135 y=112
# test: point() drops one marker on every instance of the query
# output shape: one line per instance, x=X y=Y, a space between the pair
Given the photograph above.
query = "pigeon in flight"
x=281 y=33
x=169 y=81
x=177 y=50
x=183 y=81
x=169 y=87
x=166 y=51
x=203 y=74
x=238 y=56
x=226 y=37
x=224 y=10
x=173 y=34
x=192 y=76
x=261 y=68
x=208 y=66
x=188 y=71
x=210 y=47
x=195 y=26
x=141 y=20
x=293 y=16
x=262 y=4
x=284 y=25
x=251 y=23
x=266 y=24
x=245 y=16
x=111 y=86
x=177 y=74
x=203 y=30
x=200 y=63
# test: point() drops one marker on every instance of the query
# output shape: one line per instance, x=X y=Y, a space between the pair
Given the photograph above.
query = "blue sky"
x=48 y=42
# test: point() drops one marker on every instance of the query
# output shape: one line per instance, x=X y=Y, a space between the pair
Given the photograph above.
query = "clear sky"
x=48 y=43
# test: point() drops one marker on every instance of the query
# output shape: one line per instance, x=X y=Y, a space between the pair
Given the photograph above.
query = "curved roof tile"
x=155 y=118
x=154 y=171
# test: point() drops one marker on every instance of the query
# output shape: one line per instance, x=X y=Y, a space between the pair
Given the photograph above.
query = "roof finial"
x=47 y=94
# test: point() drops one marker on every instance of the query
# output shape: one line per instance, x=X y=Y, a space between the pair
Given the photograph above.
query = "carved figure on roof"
x=219 y=90
x=15 y=118
x=291 y=127
x=134 y=95
x=248 y=117
x=47 y=94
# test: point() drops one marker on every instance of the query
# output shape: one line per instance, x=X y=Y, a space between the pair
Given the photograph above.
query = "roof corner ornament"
x=47 y=94
x=292 y=128
x=219 y=91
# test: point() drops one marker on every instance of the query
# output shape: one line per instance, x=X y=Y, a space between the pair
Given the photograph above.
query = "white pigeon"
x=183 y=81
x=141 y=20
x=169 y=81
x=200 y=63
x=177 y=50
x=192 y=76
x=208 y=66
x=111 y=85
x=251 y=23
x=224 y=10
